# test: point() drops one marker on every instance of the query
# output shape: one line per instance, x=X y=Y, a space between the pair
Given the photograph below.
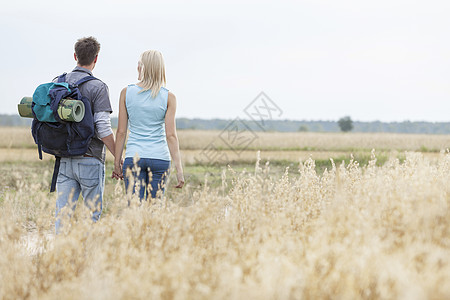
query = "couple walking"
x=149 y=108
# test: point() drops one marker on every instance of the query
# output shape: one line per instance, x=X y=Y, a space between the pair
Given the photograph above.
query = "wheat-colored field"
x=261 y=231
x=20 y=137
x=316 y=141
x=222 y=147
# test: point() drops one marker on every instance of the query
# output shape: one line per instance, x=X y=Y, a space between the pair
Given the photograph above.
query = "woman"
x=150 y=109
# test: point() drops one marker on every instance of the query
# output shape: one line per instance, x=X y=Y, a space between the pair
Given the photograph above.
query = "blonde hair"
x=152 y=73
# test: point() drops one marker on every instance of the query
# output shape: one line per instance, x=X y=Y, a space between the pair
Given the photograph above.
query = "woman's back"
x=147 y=123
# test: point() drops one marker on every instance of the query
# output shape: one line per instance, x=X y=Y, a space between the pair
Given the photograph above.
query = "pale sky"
x=382 y=60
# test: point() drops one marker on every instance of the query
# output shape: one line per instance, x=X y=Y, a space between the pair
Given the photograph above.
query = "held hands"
x=117 y=173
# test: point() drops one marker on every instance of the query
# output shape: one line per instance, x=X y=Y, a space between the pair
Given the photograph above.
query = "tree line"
x=286 y=125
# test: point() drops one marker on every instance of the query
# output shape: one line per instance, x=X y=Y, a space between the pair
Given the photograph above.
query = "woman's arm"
x=121 y=134
x=172 y=138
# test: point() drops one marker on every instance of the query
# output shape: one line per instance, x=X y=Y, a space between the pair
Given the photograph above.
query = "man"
x=86 y=174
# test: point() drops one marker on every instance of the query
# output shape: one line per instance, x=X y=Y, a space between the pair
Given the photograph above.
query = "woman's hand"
x=117 y=173
x=116 y=176
x=180 y=178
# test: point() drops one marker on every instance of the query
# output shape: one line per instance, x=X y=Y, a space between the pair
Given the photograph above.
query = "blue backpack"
x=54 y=135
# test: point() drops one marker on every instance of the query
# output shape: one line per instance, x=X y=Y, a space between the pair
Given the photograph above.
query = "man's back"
x=97 y=93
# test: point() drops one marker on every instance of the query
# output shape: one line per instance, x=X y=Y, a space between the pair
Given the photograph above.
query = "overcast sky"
x=317 y=60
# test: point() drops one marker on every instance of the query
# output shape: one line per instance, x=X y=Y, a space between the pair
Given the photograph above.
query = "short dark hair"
x=86 y=49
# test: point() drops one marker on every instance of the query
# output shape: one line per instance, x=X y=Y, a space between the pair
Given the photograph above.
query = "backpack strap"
x=83 y=80
x=55 y=173
x=70 y=138
x=62 y=78
x=38 y=142
x=40 y=150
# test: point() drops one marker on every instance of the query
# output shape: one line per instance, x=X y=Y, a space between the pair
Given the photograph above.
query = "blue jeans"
x=80 y=174
x=159 y=170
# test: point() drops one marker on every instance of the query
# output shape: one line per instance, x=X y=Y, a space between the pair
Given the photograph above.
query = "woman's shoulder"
x=164 y=91
x=124 y=91
x=132 y=86
x=169 y=93
x=171 y=99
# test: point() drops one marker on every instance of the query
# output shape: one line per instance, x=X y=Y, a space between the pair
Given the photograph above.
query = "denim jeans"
x=80 y=174
x=159 y=170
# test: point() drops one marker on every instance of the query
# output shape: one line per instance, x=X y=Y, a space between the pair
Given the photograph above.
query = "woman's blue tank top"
x=146 y=122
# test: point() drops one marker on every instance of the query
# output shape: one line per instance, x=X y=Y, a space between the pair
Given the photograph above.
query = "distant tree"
x=303 y=128
x=345 y=124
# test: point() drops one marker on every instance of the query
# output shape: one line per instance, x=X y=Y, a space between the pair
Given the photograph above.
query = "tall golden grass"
x=352 y=232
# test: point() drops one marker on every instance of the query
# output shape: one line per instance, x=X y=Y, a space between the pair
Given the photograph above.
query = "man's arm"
x=103 y=129
x=109 y=142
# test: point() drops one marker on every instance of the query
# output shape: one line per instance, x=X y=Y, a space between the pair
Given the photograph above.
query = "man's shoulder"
x=96 y=90
x=98 y=83
x=94 y=84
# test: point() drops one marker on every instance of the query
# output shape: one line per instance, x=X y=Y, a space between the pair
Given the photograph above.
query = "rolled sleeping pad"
x=68 y=110
x=71 y=110
x=25 y=107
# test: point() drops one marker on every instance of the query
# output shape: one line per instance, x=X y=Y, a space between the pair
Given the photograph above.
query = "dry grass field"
x=290 y=225
x=20 y=137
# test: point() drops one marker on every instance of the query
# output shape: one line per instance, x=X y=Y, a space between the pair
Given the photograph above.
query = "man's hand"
x=118 y=173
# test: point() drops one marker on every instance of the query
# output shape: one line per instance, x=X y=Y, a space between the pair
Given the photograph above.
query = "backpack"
x=54 y=135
